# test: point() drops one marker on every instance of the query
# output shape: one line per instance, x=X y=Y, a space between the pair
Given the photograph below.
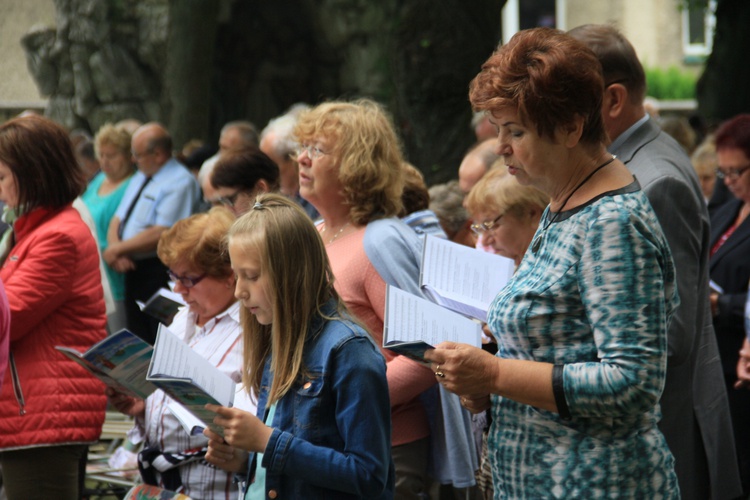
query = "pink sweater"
x=363 y=291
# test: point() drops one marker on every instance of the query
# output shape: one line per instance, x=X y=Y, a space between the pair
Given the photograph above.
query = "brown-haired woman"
x=581 y=327
x=51 y=409
x=728 y=262
x=240 y=175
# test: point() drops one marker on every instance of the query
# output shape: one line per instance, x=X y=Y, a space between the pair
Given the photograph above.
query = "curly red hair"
x=549 y=77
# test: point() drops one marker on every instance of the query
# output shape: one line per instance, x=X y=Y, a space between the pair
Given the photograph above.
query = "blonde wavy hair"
x=704 y=158
x=498 y=192
x=365 y=144
x=115 y=136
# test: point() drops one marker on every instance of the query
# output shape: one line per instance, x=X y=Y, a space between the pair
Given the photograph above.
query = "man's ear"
x=615 y=101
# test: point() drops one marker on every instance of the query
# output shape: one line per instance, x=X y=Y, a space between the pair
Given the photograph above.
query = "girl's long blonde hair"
x=294 y=258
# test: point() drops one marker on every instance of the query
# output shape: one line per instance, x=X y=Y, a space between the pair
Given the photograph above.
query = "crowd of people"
x=615 y=363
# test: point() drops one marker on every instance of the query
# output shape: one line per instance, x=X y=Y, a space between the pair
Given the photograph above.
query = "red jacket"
x=53 y=284
x=4 y=331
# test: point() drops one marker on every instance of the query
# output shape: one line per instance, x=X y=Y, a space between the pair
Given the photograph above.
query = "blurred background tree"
x=195 y=65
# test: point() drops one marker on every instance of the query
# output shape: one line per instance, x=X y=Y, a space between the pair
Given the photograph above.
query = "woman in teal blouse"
x=102 y=197
x=581 y=327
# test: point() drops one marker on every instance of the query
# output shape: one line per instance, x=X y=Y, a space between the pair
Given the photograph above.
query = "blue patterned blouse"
x=594 y=299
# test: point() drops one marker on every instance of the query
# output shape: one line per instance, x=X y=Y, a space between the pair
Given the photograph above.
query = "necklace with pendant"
x=538 y=240
x=338 y=233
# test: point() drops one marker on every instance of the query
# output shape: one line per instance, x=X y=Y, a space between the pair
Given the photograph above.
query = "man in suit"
x=162 y=192
x=695 y=411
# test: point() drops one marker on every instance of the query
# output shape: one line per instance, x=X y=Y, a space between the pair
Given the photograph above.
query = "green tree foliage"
x=670 y=84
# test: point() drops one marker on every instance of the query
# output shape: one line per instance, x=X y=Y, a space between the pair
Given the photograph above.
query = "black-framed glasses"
x=731 y=173
x=313 y=152
x=486 y=225
x=184 y=280
x=230 y=200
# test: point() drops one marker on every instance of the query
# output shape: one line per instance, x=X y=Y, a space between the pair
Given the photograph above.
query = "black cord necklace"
x=538 y=240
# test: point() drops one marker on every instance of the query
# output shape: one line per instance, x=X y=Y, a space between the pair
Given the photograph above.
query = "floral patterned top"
x=593 y=295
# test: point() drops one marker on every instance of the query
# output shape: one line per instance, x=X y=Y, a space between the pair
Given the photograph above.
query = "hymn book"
x=189 y=378
x=461 y=278
x=413 y=325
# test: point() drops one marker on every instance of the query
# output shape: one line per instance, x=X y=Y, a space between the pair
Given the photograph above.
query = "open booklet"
x=413 y=325
x=189 y=422
x=189 y=378
x=462 y=278
x=162 y=305
x=120 y=361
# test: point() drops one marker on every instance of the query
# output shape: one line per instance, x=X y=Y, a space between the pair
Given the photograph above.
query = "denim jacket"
x=332 y=431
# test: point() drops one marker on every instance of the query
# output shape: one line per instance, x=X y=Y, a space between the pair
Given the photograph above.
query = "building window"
x=698 y=21
x=523 y=14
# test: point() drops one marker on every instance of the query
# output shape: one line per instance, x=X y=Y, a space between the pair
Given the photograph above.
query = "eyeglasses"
x=731 y=173
x=184 y=280
x=313 y=152
x=486 y=225
x=228 y=201
x=138 y=156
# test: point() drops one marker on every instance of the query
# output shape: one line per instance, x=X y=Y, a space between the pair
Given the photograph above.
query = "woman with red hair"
x=581 y=327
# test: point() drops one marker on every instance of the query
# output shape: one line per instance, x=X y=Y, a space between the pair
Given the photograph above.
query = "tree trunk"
x=187 y=78
x=415 y=56
x=438 y=47
x=722 y=89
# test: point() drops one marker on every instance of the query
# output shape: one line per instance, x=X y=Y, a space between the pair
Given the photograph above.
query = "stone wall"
x=17 y=88
x=101 y=62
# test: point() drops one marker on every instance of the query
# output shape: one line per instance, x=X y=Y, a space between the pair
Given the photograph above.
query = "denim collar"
x=318 y=322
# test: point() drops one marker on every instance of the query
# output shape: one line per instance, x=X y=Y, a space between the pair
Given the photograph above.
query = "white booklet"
x=462 y=278
x=413 y=325
x=190 y=423
x=189 y=378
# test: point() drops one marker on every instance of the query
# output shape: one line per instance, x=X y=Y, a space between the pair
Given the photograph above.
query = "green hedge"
x=669 y=84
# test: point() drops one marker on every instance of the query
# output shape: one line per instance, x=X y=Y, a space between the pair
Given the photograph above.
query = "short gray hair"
x=446 y=200
x=282 y=128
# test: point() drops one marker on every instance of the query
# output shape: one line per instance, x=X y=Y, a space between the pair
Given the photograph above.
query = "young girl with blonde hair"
x=323 y=427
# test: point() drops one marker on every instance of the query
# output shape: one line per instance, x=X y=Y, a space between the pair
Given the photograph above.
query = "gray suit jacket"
x=695 y=411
